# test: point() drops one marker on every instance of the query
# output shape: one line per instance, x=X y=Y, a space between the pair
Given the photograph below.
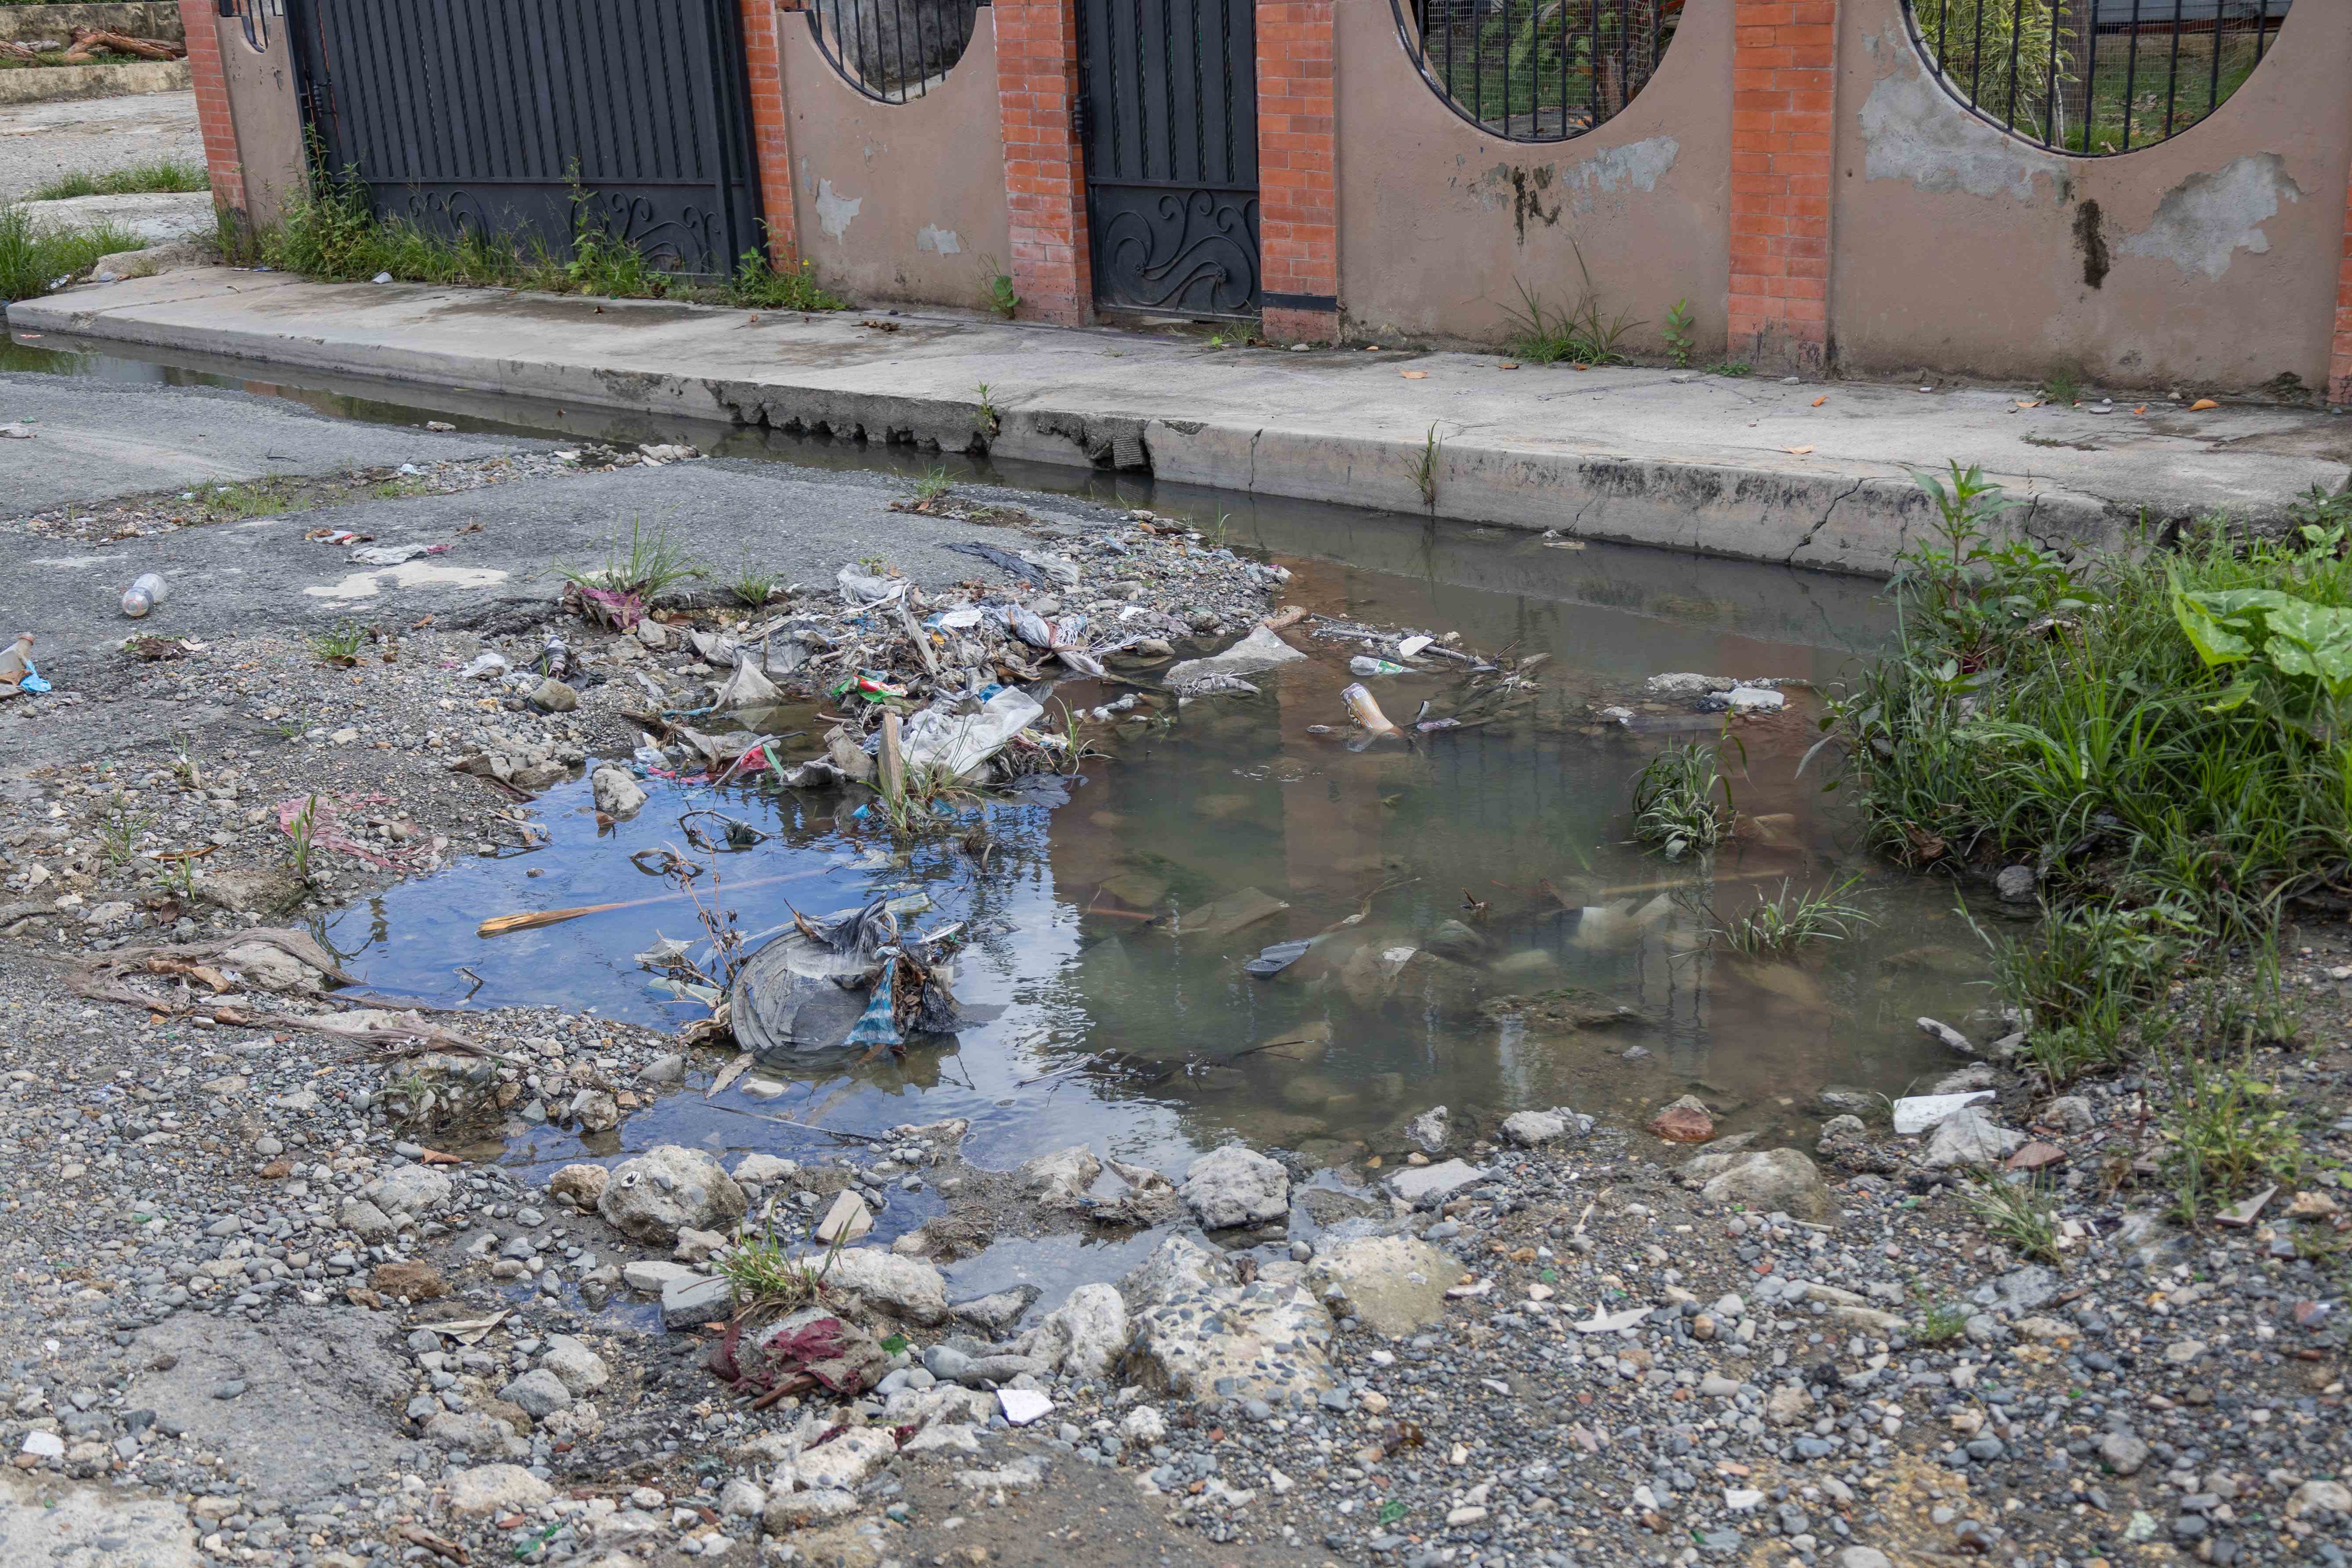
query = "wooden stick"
x=498 y=925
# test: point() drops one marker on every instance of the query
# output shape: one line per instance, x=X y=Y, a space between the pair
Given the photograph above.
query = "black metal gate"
x=1170 y=128
x=540 y=118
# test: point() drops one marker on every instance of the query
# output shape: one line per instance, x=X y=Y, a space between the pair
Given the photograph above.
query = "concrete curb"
x=50 y=84
x=1743 y=469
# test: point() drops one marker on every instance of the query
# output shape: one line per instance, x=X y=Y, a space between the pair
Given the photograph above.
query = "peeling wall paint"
x=938 y=241
x=1911 y=129
x=834 y=211
x=2206 y=219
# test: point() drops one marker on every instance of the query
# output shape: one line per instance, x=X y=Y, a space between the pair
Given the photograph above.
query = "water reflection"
x=1482 y=934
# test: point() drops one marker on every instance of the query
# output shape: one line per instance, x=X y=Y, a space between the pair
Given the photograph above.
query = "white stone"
x=847 y=1461
x=1084 y=1337
x=1022 y=1405
x=581 y=1369
x=1915 y=1113
x=1435 y=1182
x=617 y=792
x=1392 y=1284
x=487 y=1491
x=907 y=1287
x=847 y=1220
x=649 y=1197
x=1966 y=1138
x=1235 y=1187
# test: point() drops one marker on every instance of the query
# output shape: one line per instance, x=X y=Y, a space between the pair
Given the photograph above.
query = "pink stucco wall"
x=898 y=201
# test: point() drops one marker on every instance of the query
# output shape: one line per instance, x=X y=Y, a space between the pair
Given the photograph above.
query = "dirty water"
x=1108 y=929
x=1096 y=1024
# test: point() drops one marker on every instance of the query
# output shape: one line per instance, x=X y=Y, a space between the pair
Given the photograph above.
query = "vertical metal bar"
x=1508 y=31
x=1976 y=60
x=2213 y=81
x=1225 y=101
x=714 y=123
x=2091 y=80
x=2131 y=74
x=1200 y=105
x=2050 y=100
x=1593 y=67
x=2261 y=31
x=1625 y=58
x=2016 y=41
x=2172 y=73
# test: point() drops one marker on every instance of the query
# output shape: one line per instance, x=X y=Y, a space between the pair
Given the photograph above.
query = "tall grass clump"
x=1675 y=809
x=33 y=262
x=2164 y=735
x=334 y=234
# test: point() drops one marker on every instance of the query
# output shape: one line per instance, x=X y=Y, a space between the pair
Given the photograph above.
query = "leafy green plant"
x=159 y=174
x=2228 y=1131
x=1734 y=368
x=259 y=498
x=1677 y=332
x=1674 y=805
x=339 y=646
x=1784 y=923
x=986 y=419
x=2019 y=1213
x=649 y=565
x=934 y=484
x=1576 y=333
x=758 y=285
x=996 y=290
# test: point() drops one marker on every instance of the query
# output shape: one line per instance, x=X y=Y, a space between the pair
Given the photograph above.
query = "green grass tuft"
x=162 y=174
x=34 y=263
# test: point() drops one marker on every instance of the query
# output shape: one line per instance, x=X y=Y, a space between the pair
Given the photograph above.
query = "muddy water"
x=1100 y=1025
x=1103 y=1024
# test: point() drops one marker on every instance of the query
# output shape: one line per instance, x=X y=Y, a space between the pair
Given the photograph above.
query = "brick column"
x=1784 y=58
x=2339 y=368
x=1044 y=168
x=1297 y=172
x=771 y=144
x=201 y=20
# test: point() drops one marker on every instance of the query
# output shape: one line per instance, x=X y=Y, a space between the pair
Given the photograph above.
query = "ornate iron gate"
x=540 y=118
x=1169 y=126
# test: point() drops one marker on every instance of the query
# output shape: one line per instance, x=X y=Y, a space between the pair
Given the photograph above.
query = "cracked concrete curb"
x=1631 y=455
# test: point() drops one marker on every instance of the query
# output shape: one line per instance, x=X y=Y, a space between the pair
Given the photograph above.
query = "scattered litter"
x=1917 y=1113
x=1224 y=916
x=145 y=595
x=2241 y=1214
x=1277 y=958
x=439 y=425
x=395 y=554
x=1360 y=665
x=959 y=744
x=1412 y=645
x=747 y=688
x=860 y=588
x=485 y=666
x=1022 y=1405
x=381 y=277
x=16 y=431
x=2202 y=405
x=1366 y=711
x=1261 y=650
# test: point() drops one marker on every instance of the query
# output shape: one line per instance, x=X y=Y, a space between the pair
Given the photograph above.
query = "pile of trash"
x=851 y=978
x=938 y=689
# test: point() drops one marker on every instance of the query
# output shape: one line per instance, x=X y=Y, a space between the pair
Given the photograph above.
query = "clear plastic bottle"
x=144 y=595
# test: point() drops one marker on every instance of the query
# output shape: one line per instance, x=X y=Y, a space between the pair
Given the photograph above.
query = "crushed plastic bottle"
x=1361 y=665
x=144 y=595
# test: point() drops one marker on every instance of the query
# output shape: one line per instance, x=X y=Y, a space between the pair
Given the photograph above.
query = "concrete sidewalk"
x=1809 y=475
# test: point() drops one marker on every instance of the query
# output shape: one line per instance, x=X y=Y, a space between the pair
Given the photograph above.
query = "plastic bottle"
x=1363 y=666
x=144 y=595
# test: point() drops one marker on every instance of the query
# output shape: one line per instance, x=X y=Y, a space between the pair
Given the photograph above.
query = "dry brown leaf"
x=1414 y=374
x=1508 y=364
x=1797 y=451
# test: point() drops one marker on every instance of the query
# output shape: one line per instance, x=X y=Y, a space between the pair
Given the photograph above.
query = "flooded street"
x=1509 y=948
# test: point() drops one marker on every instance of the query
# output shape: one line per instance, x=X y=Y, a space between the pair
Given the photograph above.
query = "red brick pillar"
x=1044 y=168
x=201 y=20
x=1784 y=58
x=2339 y=368
x=771 y=144
x=1297 y=172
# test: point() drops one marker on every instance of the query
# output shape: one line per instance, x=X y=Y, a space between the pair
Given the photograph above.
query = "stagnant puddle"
x=1107 y=914
x=1102 y=1024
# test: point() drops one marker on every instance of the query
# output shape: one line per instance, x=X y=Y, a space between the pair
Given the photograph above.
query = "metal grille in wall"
x=1170 y=126
x=1536 y=70
x=541 y=119
x=893 y=50
x=2097 y=78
